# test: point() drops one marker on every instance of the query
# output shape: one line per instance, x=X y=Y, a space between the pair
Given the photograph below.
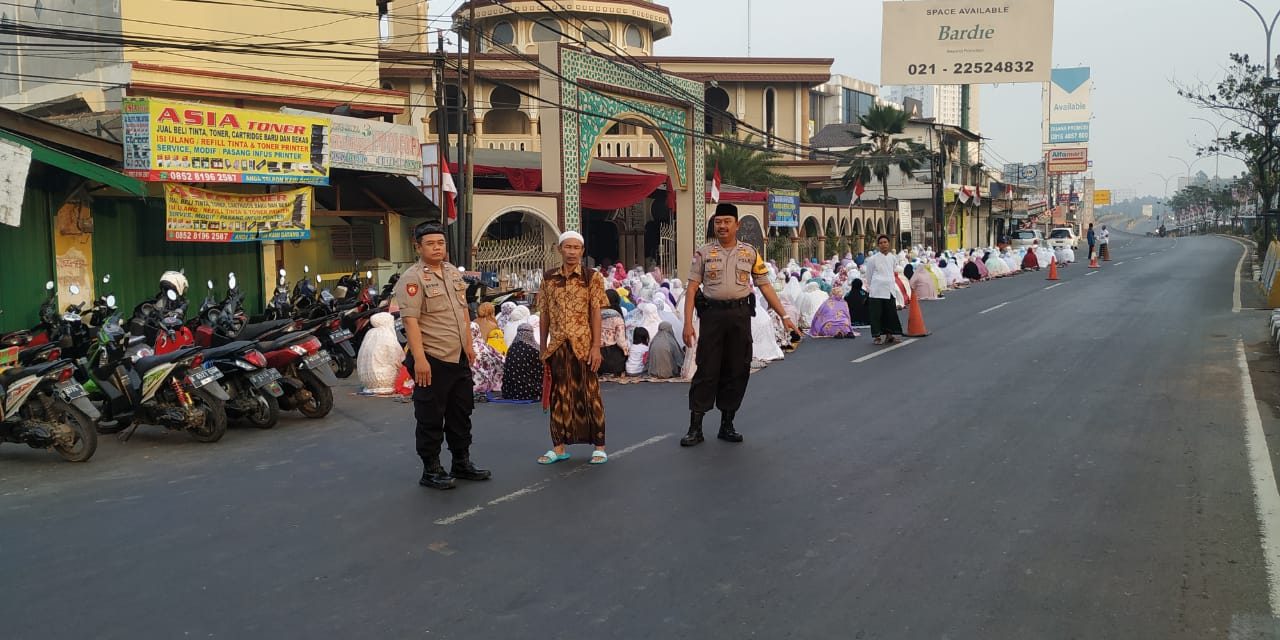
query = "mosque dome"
x=608 y=26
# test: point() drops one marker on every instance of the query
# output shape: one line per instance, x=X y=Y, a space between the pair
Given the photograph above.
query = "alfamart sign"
x=966 y=42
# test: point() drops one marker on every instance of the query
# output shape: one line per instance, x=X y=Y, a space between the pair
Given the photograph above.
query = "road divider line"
x=1117 y=264
x=1266 y=496
x=1235 y=276
x=1138 y=258
x=1002 y=304
x=1054 y=286
x=1093 y=273
x=881 y=352
x=543 y=484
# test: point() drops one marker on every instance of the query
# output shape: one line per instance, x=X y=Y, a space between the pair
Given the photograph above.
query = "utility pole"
x=457 y=242
x=469 y=179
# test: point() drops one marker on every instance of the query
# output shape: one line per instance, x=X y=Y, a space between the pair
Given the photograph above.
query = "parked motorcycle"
x=252 y=385
x=44 y=407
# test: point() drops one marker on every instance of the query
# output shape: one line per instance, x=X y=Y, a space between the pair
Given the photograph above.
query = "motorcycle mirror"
x=306 y=268
x=74 y=289
x=106 y=279
x=368 y=275
x=283 y=273
x=111 y=301
x=282 y=281
x=231 y=280
x=210 y=283
x=48 y=286
x=318 y=278
x=171 y=295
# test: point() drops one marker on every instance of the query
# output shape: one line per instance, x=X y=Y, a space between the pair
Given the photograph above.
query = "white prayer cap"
x=571 y=235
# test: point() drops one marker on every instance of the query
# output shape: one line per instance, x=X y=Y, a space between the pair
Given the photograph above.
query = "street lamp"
x=1166 y=186
x=1217 y=135
x=1268 y=28
x=1188 y=165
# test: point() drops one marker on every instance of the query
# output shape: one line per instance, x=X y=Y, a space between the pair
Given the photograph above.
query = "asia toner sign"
x=166 y=141
x=200 y=215
x=966 y=41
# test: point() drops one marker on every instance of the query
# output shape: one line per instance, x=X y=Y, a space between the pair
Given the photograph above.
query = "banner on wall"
x=783 y=208
x=370 y=145
x=200 y=215
x=15 y=162
x=167 y=141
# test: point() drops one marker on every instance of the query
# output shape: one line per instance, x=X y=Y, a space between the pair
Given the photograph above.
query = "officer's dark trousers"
x=723 y=358
x=443 y=409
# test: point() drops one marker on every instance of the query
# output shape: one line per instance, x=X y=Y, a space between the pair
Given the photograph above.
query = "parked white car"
x=1026 y=238
x=1064 y=237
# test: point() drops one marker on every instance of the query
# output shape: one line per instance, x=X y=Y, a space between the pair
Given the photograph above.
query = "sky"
x=1136 y=48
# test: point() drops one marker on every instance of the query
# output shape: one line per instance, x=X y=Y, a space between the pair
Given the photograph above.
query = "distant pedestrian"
x=638 y=358
x=1104 y=243
x=881 y=271
x=570 y=303
x=1093 y=240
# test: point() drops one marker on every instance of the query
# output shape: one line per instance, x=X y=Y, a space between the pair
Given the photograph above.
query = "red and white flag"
x=715 y=185
x=449 y=193
x=858 y=190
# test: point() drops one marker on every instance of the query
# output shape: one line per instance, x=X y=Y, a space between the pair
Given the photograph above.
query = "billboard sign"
x=904 y=214
x=168 y=141
x=1067 y=108
x=200 y=215
x=1148 y=210
x=966 y=42
x=1071 y=160
x=783 y=208
x=370 y=145
x=1018 y=173
x=1101 y=197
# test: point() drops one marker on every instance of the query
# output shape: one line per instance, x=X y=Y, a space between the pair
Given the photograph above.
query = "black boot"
x=464 y=469
x=434 y=475
x=727 y=432
x=695 y=430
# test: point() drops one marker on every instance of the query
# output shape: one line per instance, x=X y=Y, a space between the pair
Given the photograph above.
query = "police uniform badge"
x=411 y=289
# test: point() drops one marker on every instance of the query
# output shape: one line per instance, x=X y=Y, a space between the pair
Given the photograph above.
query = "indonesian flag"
x=963 y=195
x=858 y=190
x=449 y=191
x=715 y=185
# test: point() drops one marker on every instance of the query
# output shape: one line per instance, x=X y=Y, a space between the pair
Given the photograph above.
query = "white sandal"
x=599 y=457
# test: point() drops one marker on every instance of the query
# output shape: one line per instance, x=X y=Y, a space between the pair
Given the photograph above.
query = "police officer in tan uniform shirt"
x=720 y=290
x=431 y=296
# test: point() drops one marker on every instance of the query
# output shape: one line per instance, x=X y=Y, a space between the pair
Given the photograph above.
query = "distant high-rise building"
x=940 y=102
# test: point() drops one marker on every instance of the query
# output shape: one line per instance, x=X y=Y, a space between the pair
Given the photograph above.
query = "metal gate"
x=667 y=247
x=521 y=254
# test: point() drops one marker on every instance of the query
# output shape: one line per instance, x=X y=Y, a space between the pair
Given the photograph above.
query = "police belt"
x=701 y=302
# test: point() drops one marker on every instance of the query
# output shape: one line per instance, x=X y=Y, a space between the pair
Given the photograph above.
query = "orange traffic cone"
x=915 y=320
x=1093 y=260
x=1106 y=253
x=1053 y=269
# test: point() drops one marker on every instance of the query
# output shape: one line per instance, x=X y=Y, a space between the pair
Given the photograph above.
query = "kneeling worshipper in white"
x=764 y=338
x=996 y=266
x=519 y=316
x=1010 y=261
x=1065 y=255
x=922 y=285
x=380 y=357
x=810 y=302
x=1044 y=255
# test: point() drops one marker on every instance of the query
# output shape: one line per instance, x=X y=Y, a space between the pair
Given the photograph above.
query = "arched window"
x=504 y=33
x=547 y=30
x=633 y=36
x=504 y=98
x=770 y=114
x=718 y=120
x=595 y=31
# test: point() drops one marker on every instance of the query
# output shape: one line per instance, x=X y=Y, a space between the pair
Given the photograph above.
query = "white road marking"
x=1235 y=295
x=1092 y=273
x=881 y=352
x=1138 y=258
x=1117 y=264
x=543 y=484
x=1054 y=286
x=1266 y=497
x=1002 y=304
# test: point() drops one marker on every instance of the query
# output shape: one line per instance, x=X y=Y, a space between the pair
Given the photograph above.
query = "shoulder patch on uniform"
x=411 y=289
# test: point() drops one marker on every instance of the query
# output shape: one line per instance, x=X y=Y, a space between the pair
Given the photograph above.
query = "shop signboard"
x=201 y=215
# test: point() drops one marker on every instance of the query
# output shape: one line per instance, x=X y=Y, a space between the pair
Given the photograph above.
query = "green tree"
x=883 y=150
x=745 y=164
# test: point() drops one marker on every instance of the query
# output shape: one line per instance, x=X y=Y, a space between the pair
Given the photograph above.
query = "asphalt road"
x=1049 y=463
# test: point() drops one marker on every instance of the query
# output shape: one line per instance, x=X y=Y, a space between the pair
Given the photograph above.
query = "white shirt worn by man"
x=881 y=282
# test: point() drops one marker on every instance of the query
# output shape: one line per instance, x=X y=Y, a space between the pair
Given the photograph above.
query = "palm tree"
x=882 y=150
x=745 y=164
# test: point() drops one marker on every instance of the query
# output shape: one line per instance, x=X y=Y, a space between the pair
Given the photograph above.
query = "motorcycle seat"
x=229 y=349
x=252 y=331
x=12 y=374
x=150 y=362
x=283 y=341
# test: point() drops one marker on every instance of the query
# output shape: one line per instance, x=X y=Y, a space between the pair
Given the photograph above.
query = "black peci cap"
x=426 y=229
x=726 y=209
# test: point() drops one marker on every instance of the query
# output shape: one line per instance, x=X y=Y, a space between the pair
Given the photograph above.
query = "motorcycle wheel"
x=346 y=365
x=266 y=411
x=86 y=442
x=215 y=417
x=321 y=402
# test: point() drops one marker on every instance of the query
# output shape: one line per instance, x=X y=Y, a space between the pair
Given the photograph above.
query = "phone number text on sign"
x=962 y=68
